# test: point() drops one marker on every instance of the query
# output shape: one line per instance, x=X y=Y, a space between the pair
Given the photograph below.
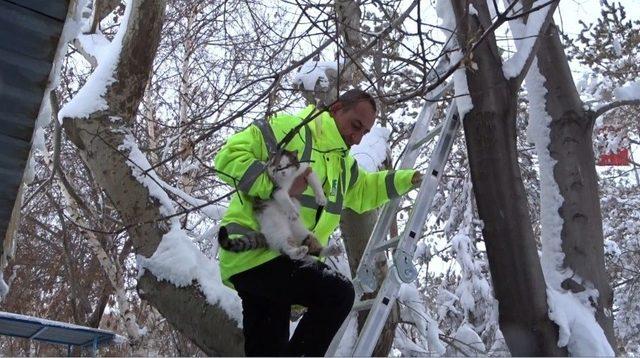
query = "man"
x=269 y=283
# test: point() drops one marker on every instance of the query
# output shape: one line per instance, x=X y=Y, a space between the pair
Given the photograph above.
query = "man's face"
x=353 y=123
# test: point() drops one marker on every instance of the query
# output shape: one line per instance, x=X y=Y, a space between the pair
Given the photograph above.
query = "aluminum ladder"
x=401 y=269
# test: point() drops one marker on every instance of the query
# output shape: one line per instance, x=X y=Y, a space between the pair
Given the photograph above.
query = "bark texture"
x=574 y=172
x=490 y=135
x=98 y=139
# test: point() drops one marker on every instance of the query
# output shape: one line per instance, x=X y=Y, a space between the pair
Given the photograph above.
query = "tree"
x=489 y=125
x=100 y=139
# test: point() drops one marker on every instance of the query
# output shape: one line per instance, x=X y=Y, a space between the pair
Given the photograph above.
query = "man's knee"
x=344 y=293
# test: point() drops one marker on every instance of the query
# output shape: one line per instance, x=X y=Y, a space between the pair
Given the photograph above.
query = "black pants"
x=268 y=291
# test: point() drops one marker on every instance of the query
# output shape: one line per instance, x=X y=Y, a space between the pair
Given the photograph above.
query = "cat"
x=280 y=226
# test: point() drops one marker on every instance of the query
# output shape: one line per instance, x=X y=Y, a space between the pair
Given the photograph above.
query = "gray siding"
x=29 y=35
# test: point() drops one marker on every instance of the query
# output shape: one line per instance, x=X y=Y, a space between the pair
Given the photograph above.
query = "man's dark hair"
x=351 y=98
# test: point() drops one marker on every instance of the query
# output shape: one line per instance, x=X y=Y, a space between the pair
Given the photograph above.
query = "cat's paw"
x=293 y=215
x=299 y=252
x=321 y=199
x=332 y=250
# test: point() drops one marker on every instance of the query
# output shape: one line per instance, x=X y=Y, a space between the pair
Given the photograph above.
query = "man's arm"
x=371 y=190
x=240 y=163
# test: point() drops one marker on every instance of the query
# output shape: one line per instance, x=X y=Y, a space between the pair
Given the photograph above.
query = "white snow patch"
x=415 y=311
x=95 y=45
x=141 y=169
x=579 y=330
x=538 y=132
x=630 y=91
x=313 y=72
x=90 y=98
x=4 y=287
x=448 y=25
x=611 y=248
x=467 y=343
x=446 y=15
x=177 y=259
x=472 y=10
x=524 y=39
x=372 y=150
x=180 y=262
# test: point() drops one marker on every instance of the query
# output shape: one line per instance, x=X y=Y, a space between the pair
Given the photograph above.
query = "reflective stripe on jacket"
x=242 y=160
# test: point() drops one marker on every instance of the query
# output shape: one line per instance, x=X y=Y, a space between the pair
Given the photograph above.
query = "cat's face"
x=283 y=165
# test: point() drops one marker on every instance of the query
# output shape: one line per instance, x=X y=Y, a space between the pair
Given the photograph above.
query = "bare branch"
x=602 y=110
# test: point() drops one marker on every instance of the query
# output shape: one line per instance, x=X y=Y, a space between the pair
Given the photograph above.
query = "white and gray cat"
x=279 y=218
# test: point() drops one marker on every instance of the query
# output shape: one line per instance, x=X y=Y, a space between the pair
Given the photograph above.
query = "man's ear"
x=335 y=107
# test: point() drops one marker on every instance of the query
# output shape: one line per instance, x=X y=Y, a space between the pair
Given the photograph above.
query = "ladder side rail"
x=384 y=219
x=421 y=128
x=403 y=258
x=377 y=317
x=365 y=280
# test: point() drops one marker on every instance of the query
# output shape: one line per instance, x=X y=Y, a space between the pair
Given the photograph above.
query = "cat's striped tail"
x=244 y=243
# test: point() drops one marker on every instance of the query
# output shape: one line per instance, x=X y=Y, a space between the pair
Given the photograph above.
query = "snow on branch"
x=177 y=259
x=92 y=47
x=413 y=309
x=627 y=95
x=91 y=97
x=461 y=87
x=526 y=36
x=316 y=75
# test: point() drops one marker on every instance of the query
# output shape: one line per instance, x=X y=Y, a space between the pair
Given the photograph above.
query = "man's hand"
x=416 y=180
x=299 y=184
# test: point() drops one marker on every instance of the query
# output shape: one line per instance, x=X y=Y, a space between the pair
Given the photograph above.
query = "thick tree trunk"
x=98 y=139
x=574 y=172
x=501 y=198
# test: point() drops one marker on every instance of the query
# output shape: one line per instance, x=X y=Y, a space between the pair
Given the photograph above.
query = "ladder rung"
x=434 y=132
x=387 y=244
x=362 y=305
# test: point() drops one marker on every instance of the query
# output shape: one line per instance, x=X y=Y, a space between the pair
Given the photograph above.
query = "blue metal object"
x=54 y=332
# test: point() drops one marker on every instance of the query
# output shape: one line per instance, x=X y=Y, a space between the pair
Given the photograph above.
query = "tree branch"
x=613 y=105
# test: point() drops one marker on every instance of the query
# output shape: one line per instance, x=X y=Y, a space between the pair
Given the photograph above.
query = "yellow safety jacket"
x=241 y=163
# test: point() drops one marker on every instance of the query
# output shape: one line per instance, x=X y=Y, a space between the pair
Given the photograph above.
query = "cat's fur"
x=280 y=226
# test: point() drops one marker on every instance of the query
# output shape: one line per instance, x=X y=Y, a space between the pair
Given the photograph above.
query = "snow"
x=524 y=38
x=180 y=262
x=90 y=98
x=95 y=45
x=141 y=169
x=467 y=343
x=447 y=19
x=313 y=72
x=538 y=132
x=413 y=309
x=472 y=10
x=177 y=259
x=372 y=150
x=4 y=287
x=460 y=84
x=630 y=91
x=579 y=330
